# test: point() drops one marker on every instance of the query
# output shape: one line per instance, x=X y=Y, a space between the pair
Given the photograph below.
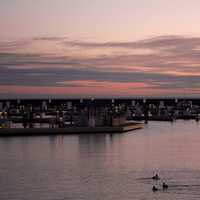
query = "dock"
x=6 y=132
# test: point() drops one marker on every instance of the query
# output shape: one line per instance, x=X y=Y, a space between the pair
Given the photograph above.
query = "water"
x=103 y=167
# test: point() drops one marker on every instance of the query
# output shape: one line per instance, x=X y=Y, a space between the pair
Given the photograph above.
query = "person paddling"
x=156 y=177
x=165 y=186
x=155 y=188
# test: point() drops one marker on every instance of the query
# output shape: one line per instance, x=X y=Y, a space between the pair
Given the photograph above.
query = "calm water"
x=103 y=167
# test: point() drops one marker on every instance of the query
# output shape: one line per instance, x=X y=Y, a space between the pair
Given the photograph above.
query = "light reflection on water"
x=103 y=166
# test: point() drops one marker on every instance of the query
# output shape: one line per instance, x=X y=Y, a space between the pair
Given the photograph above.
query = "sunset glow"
x=99 y=48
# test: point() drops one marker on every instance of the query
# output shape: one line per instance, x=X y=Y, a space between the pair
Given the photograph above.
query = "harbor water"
x=104 y=166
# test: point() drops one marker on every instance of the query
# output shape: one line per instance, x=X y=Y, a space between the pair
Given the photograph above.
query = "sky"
x=99 y=48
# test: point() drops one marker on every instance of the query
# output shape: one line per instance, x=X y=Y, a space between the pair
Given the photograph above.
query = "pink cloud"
x=88 y=88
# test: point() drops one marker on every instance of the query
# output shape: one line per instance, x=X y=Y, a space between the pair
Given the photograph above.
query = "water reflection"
x=103 y=166
x=92 y=144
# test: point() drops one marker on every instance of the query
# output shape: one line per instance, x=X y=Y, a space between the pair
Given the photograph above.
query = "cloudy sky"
x=99 y=48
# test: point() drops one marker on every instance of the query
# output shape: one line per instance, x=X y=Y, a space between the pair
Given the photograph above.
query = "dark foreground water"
x=103 y=167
